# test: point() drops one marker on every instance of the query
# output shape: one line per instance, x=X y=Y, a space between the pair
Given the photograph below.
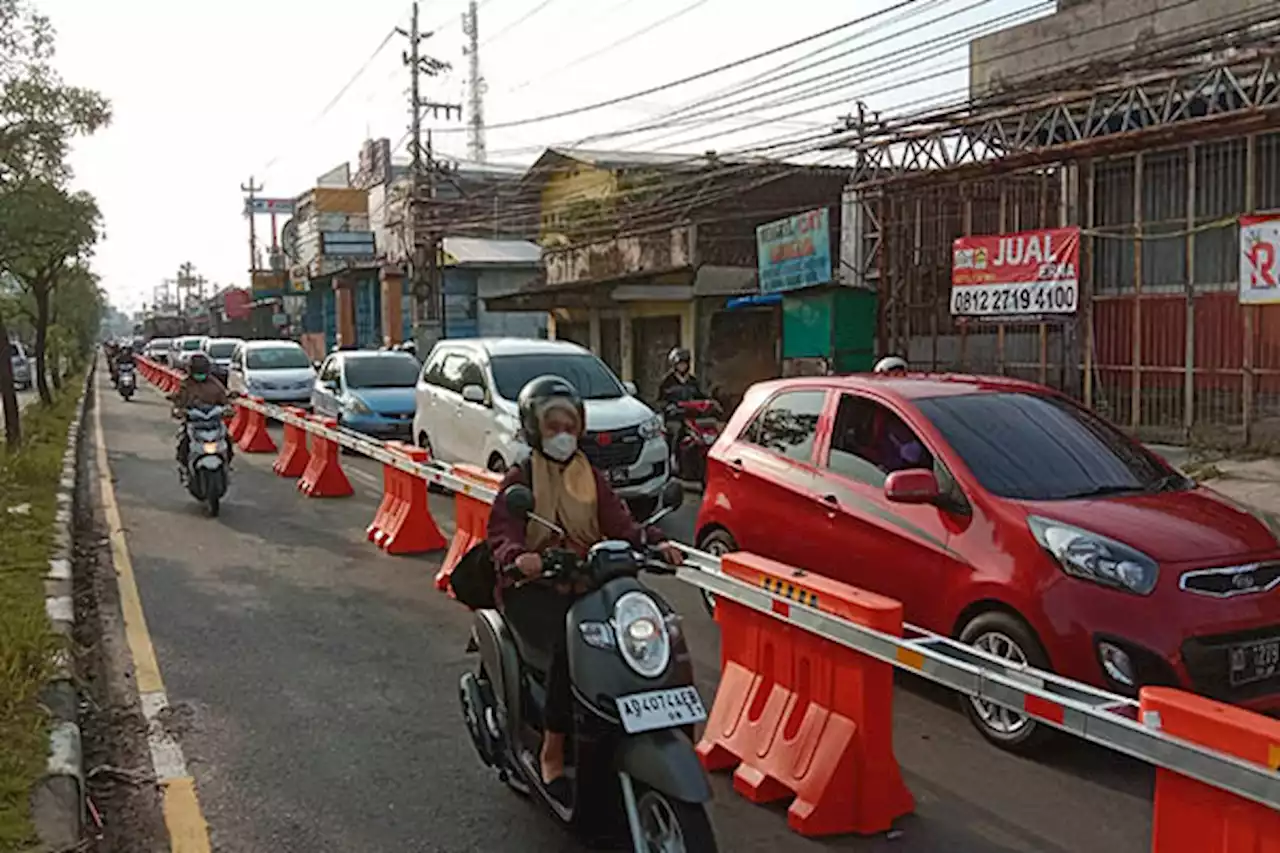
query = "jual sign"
x=794 y=252
x=1020 y=277
x=1260 y=260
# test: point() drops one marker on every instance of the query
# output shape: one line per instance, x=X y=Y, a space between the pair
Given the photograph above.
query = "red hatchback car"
x=1006 y=515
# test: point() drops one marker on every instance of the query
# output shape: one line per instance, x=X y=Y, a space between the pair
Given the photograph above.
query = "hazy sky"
x=206 y=94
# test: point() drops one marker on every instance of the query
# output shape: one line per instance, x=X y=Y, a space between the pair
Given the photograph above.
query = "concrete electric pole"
x=424 y=266
x=252 y=189
x=475 y=85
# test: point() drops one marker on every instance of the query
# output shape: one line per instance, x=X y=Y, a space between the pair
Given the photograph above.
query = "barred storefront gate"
x=1160 y=344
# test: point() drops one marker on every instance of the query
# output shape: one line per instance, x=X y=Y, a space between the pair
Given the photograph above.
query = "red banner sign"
x=1020 y=276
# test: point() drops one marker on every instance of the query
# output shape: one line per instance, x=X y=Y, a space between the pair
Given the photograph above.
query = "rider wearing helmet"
x=198 y=388
x=569 y=491
x=679 y=383
x=892 y=365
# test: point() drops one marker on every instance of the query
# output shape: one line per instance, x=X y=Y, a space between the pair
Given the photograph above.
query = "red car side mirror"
x=913 y=486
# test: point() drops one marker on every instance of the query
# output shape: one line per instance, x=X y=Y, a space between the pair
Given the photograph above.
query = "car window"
x=381 y=371
x=869 y=442
x=788 y=424
x=473 y=375
x=329 y=370
x=277 y=358
x=452 y=368
x=1038 y=447
x=191 y=344
x=591 y=376
x=220 y=349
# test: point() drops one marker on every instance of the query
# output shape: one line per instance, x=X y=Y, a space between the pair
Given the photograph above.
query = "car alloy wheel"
x=999 y=718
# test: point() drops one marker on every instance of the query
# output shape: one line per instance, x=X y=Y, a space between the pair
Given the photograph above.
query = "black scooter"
x=635 y=776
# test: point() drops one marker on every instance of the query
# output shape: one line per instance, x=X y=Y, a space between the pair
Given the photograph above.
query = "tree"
x=75 y=317
x=54 y=233
x=39 y=117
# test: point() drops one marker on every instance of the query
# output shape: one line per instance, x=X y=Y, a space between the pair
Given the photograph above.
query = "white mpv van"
x=467 y=412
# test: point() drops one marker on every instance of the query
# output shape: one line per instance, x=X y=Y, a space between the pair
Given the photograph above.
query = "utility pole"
x=424 y=267
x=252 y=190
x=475 y=84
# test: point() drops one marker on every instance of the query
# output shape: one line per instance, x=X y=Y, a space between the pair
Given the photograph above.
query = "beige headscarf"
x=565 y=494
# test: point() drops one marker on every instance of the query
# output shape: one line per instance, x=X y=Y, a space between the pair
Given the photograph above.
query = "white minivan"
x=466 y=411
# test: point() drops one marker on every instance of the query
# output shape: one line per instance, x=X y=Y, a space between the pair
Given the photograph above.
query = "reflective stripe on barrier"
x=1191 y=817
x=294 y=456
x=324 y=477
x=804 y=717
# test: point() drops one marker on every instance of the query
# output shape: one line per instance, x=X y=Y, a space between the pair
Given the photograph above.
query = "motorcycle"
x=633 y=769
x=206 y=472
x=126 y=382
x=699 y=427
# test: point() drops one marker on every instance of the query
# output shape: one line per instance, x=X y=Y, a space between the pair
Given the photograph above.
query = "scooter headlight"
x=211 y=447
x=642 y=634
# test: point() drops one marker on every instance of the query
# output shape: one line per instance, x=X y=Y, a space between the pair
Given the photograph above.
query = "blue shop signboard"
x=794 y=252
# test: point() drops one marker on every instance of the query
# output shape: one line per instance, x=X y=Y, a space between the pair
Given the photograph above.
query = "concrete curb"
x=57 y=801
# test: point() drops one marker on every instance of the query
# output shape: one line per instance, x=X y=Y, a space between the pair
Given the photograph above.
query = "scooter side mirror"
x=519 y=500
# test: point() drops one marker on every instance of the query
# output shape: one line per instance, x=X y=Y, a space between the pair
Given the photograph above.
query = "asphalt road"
x=314 y=686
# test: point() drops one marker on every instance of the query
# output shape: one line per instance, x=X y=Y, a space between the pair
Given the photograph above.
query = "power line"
x=737 y=63
x=643 y=31
x=346 y=87
x=517 y=22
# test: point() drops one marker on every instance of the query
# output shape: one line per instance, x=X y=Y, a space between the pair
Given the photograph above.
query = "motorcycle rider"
x=569 y=491
x=198 y=388
x=680 y=383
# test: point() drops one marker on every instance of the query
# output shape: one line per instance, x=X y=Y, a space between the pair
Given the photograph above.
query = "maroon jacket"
x=506 y=533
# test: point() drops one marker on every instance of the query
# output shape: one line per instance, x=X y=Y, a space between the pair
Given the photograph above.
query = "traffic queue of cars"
x=1006 y=515
x=999 y=512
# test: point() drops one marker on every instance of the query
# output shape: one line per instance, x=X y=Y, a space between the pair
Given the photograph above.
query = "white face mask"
x=560 y=446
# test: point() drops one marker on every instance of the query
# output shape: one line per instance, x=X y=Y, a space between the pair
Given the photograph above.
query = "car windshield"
x=588 y=374
x=160 y=343
x=15 y=351
x=191 y=344
x=277 y=358
x=382 y=371
x=1041 y=448
x=222 y=350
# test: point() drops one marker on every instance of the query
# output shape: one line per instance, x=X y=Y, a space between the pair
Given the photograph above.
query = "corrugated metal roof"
x=473 y=250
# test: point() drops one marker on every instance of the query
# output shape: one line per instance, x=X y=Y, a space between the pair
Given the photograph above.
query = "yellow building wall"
x=569 y=187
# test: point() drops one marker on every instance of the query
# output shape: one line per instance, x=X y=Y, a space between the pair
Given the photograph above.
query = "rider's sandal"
x=560 y=790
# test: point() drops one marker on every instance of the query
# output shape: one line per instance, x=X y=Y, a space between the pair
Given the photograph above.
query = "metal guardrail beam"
x=1098 y=716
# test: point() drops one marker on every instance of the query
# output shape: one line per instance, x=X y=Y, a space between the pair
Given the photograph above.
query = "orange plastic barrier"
x=294 y=457
x=255 y=438
x=324 y=477
x=1192 y=817
x=238 y=423
x=403 y=522
x=804 y=717
x=471 y=515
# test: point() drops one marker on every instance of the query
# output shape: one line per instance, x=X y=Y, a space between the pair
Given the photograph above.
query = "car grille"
x=613 y=448
x=1232 y=581
x=1208 y=662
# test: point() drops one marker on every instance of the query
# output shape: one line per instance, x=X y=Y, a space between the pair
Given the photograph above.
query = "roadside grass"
x=27 y=476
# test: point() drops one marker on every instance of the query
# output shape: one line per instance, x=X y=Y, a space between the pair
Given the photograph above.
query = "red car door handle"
x=830 y=500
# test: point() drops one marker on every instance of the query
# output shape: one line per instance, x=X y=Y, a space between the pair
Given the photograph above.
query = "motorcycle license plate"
x=661 y=709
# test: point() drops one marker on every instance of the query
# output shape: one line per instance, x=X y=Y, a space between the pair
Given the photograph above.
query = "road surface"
x=314 y=686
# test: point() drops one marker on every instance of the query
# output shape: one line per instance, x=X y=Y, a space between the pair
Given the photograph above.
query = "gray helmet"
x=891 y=364
x=678 y=355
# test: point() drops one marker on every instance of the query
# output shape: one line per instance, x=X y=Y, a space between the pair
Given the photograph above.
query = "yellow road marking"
x=188 y=831
x=146 y=670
